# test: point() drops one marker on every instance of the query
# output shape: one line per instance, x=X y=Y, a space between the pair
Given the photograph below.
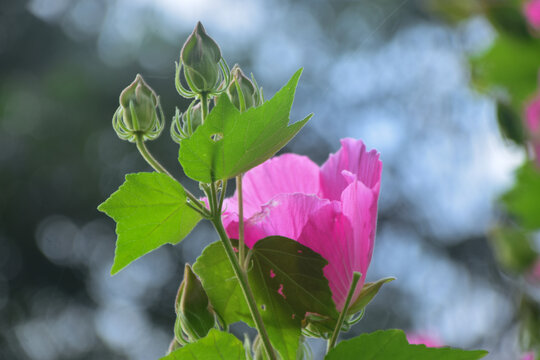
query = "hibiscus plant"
x=295 y=239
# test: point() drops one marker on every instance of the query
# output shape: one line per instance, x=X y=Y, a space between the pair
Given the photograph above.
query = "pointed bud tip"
x=187 y=270
x=199 y=28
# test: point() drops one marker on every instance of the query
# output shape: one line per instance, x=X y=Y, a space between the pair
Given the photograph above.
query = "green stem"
x=222 y=195
x=244 y=285
x=143 y=150
x=141 y=146
x=241 y=275
x=241 y=250
x=341 y=319
x=204 y=106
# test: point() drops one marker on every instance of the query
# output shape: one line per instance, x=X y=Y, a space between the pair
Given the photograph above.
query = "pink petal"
x=532 y=115
x=329 y=233
x=359 y=205
x=532 y=13
x=528 y=356
x=532 y=120
x=285 y=174
x=284 y=215
x=353 y=158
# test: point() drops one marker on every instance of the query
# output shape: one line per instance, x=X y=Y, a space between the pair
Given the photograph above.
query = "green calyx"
x=139 y=112
x=242 y=92
x=203 y=64
x=195 y=317
x=183 y=125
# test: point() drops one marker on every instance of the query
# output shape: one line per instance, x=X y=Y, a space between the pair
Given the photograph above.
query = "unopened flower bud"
x=243 y=93
x=200 y=56
x=183 y=125
x=194 y=314
x=139 y=112
x=193 y=116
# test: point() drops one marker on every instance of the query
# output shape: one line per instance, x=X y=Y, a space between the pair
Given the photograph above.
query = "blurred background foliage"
x=508 y=71
x=395 y=73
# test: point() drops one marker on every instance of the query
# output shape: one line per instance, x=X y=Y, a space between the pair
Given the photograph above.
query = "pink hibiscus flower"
x=532 y=122
x=528 y=356
x=424 y=339
x=331 y=209
x=532 y=13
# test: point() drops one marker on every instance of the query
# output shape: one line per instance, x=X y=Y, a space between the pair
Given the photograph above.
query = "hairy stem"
x=341 y=319
x=244 y=285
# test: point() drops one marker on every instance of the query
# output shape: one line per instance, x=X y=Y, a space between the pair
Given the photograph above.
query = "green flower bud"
x=194 y=314
x=139 y=112
x=193 y=116
x=242 y=92
x=201 y=58
x=139 y=104
x=183 y=125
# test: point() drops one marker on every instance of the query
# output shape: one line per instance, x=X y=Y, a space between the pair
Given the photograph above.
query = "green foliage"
x=392 y=344
x=510 y=124
x=221 y=285
x=454 y=11
x=287 y=277
x=523 y=200
x=150 y=210
x=369 y=290
x=283 y=329
x=194 y=316
x=507 y=17
x=216 y=345
x=512 y=248
x=284 y=265
x=230 y=143
x=277 y=263
x=529 y=315
x=501 y=69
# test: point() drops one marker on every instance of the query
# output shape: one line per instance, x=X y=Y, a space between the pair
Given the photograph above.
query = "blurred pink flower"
x=532 y=13
x=331 y=209
x=424 y=339
x=533 y=275
x=532 y=122
x=528 y=356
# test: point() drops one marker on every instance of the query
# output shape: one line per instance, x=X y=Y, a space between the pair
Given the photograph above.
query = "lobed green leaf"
x=150 y=210
x=230 y=142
